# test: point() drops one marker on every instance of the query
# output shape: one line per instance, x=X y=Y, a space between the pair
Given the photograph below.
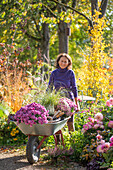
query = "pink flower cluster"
x=110 y=124
x=94 y=123
x=67 y=106
x=32 y=114
x=109 y=102
x=104 y=146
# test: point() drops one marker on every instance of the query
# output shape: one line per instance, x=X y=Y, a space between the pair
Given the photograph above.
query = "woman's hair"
x=63 y=55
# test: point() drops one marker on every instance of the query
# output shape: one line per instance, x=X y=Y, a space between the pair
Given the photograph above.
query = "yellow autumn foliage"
x=94 y=75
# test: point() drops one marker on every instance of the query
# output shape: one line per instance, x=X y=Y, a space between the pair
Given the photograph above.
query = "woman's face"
x=63 y=62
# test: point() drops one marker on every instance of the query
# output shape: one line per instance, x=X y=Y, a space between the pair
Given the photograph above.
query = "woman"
x=63 y=79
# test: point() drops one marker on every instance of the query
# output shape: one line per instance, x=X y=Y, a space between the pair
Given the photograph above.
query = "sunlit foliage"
x=94 y=75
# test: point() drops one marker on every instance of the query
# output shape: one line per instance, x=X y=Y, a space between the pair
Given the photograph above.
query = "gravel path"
x=16 y=160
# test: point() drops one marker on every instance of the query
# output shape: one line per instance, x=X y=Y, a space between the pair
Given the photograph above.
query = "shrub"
x=14 y=87
x=10 y=134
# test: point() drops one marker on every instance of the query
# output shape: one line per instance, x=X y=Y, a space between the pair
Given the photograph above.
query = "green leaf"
x=3 y=14
x=105 y=165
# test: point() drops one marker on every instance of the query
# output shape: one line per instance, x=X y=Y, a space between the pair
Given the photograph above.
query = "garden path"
x=11 y=159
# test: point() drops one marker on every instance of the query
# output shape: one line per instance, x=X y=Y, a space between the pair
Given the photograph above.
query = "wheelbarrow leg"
x=55 y=139
x=62 y=140
x=41 y=141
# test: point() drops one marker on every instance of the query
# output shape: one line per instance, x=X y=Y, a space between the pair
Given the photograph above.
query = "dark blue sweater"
x=64 y=79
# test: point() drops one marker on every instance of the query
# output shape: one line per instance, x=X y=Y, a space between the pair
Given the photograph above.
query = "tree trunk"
x=103 y=7
x=45 y=50
x=45 y=43
x=63 y=37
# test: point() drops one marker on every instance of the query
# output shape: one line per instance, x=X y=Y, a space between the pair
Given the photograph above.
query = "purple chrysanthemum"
x=31 y=114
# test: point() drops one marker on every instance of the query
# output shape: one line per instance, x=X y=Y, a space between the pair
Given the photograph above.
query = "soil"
x=15 y=159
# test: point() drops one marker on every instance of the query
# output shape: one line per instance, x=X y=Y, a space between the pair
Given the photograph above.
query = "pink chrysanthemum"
x=67 y=106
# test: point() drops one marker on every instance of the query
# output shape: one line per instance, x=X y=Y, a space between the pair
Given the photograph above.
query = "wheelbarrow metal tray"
x=44 y=129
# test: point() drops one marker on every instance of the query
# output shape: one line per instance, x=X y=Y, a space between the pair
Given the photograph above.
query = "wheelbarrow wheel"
x=32 y=153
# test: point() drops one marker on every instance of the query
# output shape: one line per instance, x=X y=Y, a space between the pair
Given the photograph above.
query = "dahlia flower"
x=103 y=147
x=99 y=149
x=109 y=102
x=110 y=124
x=111 y=139
x=86 y=126
x=99 y=116
x=99 y=137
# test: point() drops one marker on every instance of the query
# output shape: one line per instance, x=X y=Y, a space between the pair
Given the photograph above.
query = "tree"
x=27 y=20
x=23 y=21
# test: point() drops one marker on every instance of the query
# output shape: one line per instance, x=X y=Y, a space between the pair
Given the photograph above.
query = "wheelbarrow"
x=33 y=147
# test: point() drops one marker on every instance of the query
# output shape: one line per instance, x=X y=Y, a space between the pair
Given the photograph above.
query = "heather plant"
x=60 y=151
